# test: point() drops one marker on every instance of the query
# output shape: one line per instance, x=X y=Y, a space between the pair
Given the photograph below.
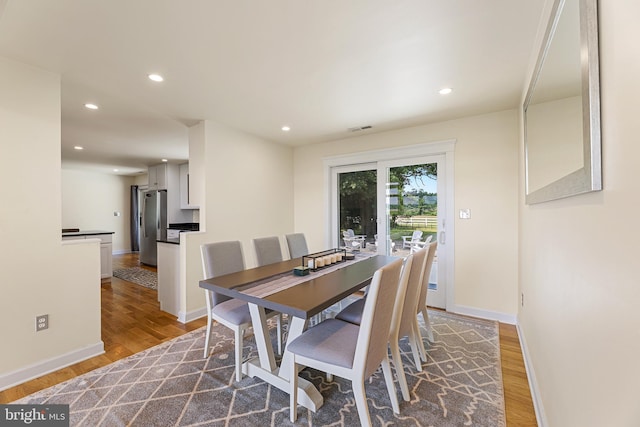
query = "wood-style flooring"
x=132 y=322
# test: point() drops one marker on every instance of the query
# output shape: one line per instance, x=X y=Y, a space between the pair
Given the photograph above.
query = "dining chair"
x=403 y=321
x=350 y=351
x=267 y=250
x=422 y=300
x=218 y=259
x=407 y=241
x=297 y=244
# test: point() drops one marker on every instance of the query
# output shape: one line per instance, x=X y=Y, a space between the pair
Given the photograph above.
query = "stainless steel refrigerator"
x=153 y=225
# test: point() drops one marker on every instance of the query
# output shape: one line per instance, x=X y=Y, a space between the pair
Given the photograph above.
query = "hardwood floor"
x=132 y=322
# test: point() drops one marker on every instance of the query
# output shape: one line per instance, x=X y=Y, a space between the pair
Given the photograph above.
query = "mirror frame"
x=589 y=177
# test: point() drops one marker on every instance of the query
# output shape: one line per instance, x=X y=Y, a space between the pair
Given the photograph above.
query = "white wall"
x=39 y=274
x=247 y=187
x=486 y=181
x=89 y=200
x=581 y=322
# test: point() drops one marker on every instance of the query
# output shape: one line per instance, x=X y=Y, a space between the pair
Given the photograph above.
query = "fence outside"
x=414 y=222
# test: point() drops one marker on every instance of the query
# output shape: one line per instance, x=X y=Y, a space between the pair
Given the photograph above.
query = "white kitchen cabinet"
x=106 y=256
x=185 y=199
x=106 y=248
x=158 y=177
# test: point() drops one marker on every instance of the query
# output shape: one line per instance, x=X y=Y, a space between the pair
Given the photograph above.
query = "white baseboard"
x=39 y=369
x=121 y=252
x=484 y=314
x=184 y=317
x=533 y=383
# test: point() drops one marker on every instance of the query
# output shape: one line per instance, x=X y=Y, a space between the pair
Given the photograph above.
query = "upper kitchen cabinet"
x=185 y=188
x=166 y=176
x=158 y=177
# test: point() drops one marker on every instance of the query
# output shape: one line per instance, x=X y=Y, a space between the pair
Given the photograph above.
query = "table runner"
x=279 y=282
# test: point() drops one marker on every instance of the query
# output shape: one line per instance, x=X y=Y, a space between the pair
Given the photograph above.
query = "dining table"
x=276 y=287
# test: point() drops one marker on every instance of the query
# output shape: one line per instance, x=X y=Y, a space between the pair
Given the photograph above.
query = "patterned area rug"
x=172 y=385
x=139 y=276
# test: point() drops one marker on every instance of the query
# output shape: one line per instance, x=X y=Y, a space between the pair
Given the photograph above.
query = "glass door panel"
x=357 y=208
x=413 y=212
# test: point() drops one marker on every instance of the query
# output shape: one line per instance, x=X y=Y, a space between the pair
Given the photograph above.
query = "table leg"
x=265 y=367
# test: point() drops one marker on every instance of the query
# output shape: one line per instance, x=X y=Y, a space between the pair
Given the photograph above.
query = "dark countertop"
x=172 y=241
x=86 y=233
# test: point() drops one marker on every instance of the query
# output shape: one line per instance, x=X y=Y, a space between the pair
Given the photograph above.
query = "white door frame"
x=446 y=238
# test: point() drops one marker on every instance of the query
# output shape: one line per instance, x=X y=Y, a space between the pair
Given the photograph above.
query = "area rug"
x=139 y=276
x=172 y=385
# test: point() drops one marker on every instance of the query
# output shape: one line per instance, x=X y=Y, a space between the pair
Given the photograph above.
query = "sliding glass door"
x=395 y=207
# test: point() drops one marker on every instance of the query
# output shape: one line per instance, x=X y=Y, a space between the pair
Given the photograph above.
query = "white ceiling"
x=321 y=67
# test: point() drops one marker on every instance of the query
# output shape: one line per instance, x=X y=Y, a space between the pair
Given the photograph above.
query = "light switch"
x=465 y=213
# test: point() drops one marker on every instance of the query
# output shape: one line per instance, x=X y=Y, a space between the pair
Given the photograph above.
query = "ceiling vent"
x=358 y=129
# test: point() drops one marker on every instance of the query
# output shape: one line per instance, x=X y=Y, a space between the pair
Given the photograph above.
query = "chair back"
x=371 y=348
x=401 y=295
x=348 y=233
x=218 y=259
x=416 y=236
x=414 y=286
x=297 y=244
x=267 y=250
x=422 y=299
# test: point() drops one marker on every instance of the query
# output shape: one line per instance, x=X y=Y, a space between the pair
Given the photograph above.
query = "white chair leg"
x=361 y=400
x=419 y=341
x=413 y=342
x=239 y=334
x=293 y=390
x=427 y=324
x=391 y=389
x=279 y=332
x=397 y=363
x=329 y=377
x=207 y=337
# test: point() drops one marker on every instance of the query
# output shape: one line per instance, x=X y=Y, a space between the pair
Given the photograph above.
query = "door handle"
x=442 y=238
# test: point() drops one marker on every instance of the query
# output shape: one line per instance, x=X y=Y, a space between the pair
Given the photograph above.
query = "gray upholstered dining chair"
x=297 y=244
x=403 y=321
x=267 y=250
x=351 y=351
x=218 y=259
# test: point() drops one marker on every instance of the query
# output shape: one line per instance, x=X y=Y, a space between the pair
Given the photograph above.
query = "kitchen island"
x=106 y=246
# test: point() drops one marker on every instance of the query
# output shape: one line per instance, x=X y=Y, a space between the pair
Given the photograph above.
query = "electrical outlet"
x=522 y=299
x=42 y=322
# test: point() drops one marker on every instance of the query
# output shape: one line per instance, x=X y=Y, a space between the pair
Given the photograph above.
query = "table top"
x=306 y=299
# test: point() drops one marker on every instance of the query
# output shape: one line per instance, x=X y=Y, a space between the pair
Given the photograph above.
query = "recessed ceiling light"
x=445 y=91
x=115 y=170
x=286 y=128
x=156 y=77
x=165 y=160
x=91 y=106
x=77 y=147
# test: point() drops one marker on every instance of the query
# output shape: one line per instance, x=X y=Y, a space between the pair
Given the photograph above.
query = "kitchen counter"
x=175 y=241
x=106 y=246
x=86 y=233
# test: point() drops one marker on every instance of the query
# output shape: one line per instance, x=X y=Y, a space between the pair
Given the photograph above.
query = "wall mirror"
x=562 y=107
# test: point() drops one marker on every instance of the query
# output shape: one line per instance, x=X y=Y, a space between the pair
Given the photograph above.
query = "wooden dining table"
x=275 y=287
